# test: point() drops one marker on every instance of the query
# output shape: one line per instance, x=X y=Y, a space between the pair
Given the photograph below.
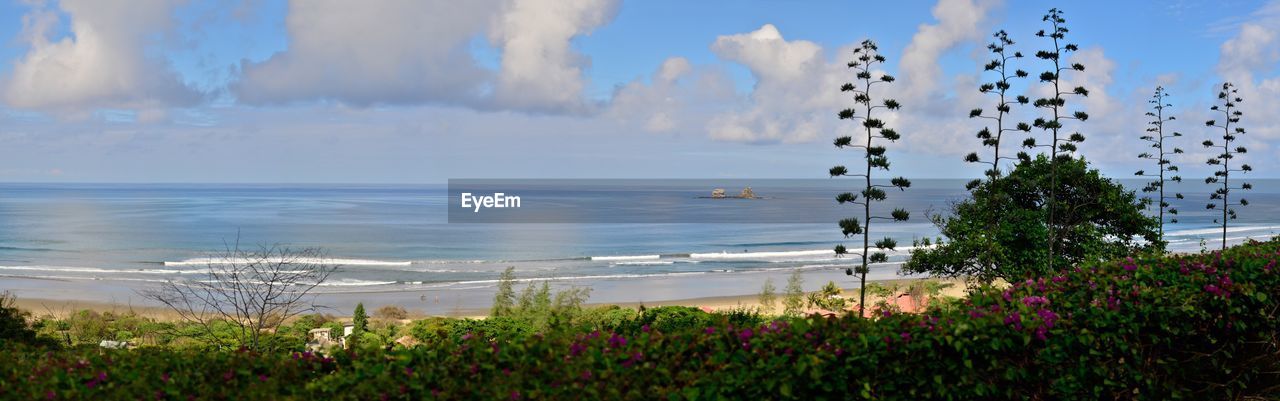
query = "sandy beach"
x=61 y=308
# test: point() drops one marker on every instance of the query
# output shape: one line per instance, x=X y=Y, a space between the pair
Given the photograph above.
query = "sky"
x=421 y=91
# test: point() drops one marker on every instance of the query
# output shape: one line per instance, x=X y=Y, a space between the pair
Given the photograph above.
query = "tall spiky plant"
x=1228 y=99
x=999 y=64
x=1156 y=136
x=1060 y=146
x=866 y=57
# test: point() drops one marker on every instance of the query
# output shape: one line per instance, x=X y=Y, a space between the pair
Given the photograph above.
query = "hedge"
x=1149 y=327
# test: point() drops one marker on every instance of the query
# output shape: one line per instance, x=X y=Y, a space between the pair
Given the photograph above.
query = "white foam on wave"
x=315 y=261
x=643 y=263
x=80 y=278
x=451 y=262
x=790 y=256
x=1217 y=230
x=761 y=255
x=354 y=283
x=615 y=258
x=564 y=278
x=95 y=270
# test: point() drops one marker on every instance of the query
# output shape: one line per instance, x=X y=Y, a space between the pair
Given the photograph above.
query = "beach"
x=60 y=305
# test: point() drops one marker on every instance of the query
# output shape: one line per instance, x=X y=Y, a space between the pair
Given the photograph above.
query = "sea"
x=404 y=244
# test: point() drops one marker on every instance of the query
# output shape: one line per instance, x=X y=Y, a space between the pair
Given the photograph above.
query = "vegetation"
x=1105 y=221
x=999 y=64
x=865 y=59
x=1099 y=330
x=253 y=290
x=768 y=295
x=1060 y=147
x=828 y=298
x=505 y=299
x=391 y=312
x=1156 y=136
x=793 y=295
x=1228 y=99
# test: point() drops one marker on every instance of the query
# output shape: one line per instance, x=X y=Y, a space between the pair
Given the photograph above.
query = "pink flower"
x=1014 y=319
x=1129 y=265
x=1033 y=301
x=1048 y=317
x=710 y=330
x=617 y=341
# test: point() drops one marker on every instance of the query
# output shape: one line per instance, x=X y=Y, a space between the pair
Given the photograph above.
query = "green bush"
x=670 y=319
x=14 y=327
x=1181 y=327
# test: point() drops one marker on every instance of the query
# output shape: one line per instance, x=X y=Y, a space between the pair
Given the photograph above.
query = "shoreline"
x=63 y=308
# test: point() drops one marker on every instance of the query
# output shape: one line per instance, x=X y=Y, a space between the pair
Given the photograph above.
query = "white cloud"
x=959 y=22
x=540 y=71
x=934 y=116
x=796 y=93
x=103 y=62
x=1249 y=61
x=414 y=52
x=361 y=53
x=657 y=104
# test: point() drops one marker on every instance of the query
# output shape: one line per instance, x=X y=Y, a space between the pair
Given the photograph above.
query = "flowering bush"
x=1191 y=327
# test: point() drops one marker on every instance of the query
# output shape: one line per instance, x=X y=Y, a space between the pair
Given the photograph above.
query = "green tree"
x=1105 y=221
x=505 y=299
x=793 y=295
x=999 y=64
x=768 y=295
x=359 y=319
x=1060 y=147
x=13 y=321
x=1156 y=136
x=1228 y=100
x=866 y=59
x=828 y=297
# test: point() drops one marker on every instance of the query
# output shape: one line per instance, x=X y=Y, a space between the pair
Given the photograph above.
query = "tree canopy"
x=1097 y=219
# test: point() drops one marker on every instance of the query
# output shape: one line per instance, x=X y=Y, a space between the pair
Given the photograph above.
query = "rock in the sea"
x=717 y=193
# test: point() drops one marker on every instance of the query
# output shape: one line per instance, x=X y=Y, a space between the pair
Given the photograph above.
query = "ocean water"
x=398 y=238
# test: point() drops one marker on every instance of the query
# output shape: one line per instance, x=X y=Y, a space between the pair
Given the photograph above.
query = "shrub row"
x=1178 y=327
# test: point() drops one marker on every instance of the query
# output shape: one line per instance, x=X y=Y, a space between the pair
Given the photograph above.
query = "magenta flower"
x=710 y=330
x=617 y=341
x=1033 y=301
x=1041 y=333
x=745 y=334
x=1129 y=265
x=1014 y=319
x=1048 y=317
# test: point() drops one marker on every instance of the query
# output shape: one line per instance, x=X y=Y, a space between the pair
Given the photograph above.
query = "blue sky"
x=386 y=91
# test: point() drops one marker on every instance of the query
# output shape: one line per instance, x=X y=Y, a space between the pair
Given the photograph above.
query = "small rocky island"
x=746 y=193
